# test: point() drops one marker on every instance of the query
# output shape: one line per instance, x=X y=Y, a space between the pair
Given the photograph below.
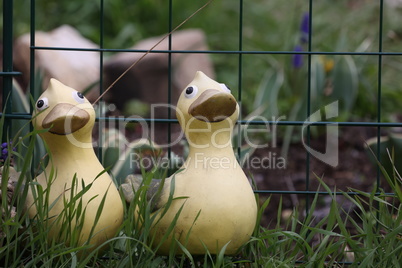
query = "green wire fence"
x=8 y=74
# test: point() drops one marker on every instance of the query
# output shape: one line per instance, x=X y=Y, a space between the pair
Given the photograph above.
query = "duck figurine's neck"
x=211 y=139
x=69 y=148
x=211 y=145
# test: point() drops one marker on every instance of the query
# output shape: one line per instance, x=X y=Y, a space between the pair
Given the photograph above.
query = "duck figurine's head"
x=66 y=113
x=206 y=107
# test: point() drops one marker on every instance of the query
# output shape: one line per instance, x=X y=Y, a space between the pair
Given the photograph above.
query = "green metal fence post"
x=102 y=123
x=7 y=62
x=169 y=95
x=308 y=111
x=240 y=75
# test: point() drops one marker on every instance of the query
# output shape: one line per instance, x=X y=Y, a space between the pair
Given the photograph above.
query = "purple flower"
x=4 y=154
x=297 y=59
x=4 y=151
x=305 y=28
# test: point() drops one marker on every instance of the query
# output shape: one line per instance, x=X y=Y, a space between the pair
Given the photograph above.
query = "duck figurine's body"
x=218 y=207
x=70 y=119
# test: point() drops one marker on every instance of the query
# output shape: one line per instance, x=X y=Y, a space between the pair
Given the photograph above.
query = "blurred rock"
x=394 y=3
x=148 y=80
x=8 y=210
x=11 y=183
x=76 y=69
x=286 y=214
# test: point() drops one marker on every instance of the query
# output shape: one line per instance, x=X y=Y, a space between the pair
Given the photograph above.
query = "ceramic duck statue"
x=70 y=119
x=219 y=207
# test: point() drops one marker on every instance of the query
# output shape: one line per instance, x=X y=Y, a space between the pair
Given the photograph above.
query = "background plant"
x=127 y=22
x=271 y=81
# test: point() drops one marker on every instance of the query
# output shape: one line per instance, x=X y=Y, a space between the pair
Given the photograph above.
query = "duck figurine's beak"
x=65 y=119
x=213 y=106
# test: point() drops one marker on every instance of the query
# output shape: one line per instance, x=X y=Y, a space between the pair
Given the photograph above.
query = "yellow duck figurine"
x=70 y=119
x=219 y=206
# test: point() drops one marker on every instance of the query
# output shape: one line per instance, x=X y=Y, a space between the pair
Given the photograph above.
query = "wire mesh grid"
x=240 y=53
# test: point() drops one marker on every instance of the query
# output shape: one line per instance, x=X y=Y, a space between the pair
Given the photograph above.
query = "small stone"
x=286 y=214
x=13 y=176
x=77 y=69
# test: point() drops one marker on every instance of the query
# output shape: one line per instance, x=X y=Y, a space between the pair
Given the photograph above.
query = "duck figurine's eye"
x=191 y=91
x=225 y=88
x=42 y=104
x=78 y=97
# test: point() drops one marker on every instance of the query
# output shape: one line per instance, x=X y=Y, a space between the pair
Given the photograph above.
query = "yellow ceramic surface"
x=213 y=182
x=70 y=119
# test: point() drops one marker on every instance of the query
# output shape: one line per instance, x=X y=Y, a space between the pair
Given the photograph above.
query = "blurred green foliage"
x=268 y=80
x=390 y=155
